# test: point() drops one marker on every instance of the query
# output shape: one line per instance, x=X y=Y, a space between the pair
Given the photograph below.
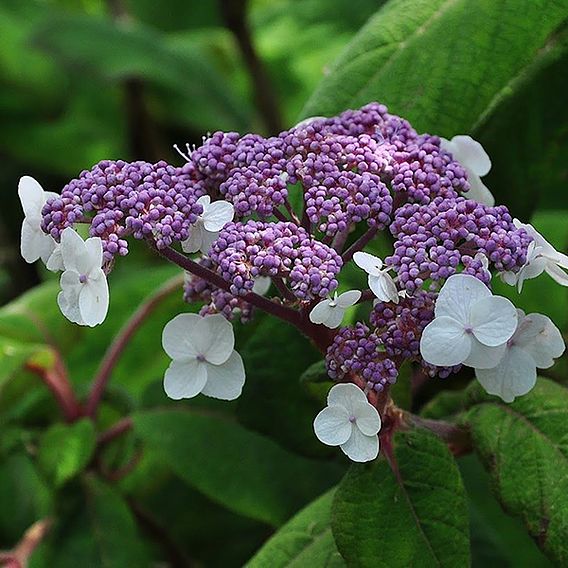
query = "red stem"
x=115 y=431
x=359 y=244
x=117 y=347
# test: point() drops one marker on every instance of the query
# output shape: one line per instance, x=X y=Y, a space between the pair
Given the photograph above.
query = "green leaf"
x=114 y=52
x=243 y=471
x=97 y=530
x=305 y=540
x=496 y=538
x=418 y=518
x=442 y=64
x=273 y=403
x=65 y=449
x=15 y=354
x=24 y=495
x=524 y=447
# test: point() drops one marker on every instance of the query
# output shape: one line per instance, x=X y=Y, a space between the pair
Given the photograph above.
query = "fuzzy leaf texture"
x=442 y=64
x=525 y=449
x=243 y=471
x=305 y=540
x=418 y=520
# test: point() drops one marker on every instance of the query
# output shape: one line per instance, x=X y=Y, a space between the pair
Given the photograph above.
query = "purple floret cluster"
x=119 y=199
x=299 y=197
x=356 y=350
x=245 y=251
x=434 y=240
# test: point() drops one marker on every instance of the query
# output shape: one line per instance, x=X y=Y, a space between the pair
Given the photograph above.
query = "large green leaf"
x=98 y=529
x=524 y=446
x=239 y=469
x=496 y=538
x=442 y=64
x=64 y=450
x=113 y=52
x=417 y=518
x=305 y=540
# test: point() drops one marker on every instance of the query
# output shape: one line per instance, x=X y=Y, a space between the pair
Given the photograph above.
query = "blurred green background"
x=84 y=80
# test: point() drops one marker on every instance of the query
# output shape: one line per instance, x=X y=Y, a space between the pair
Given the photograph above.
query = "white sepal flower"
x=203 y=358
x=476 y=162
x=350 y=422
x=541 y=257
x=206 y=229
x=381 y=282
x=535 y=344
x=84 y=293
x=471 y=326
x=34 y=244
x=261 y=285
x=330 y=311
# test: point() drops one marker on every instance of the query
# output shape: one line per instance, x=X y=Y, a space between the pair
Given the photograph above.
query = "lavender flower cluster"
x=365 y=167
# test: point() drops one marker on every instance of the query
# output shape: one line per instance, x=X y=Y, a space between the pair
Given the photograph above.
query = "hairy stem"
x=56 y=381
x=457 y=437
x=20 y=555
x=122 y=426
x=117 y=347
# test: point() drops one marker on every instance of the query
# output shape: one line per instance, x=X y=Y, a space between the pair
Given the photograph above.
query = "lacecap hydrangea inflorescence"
x=273 y=223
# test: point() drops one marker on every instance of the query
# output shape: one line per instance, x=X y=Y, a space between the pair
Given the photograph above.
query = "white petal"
x=444 y=342
x=93 y=299
x=321 y=312
x=185 y=379
x=367 y=418
x=349 y=298
x=194 y=241
x=361 y=448
x=225 y=381
x=478 y=191
x=207 y=240
x=514 y=376
x=307 y=121
x=74 y=252
x=177 y=337
x=540 y=338
x=94 y=248
x=31 y=196
x=448 y=145
x=332 y=426
x=217 y=215
x=261 y=285
x=34 y=243
x=383 y=287
x=483 y=357
x=335 y=318
x=471 y=154
x=509 y=277
x=494 y=320
x=457 y=296
x=55 y=260
x=204 y=201
x=369 y=263
x=68 y=302
x=214 y=338
x=347 y=395
x=557 y=274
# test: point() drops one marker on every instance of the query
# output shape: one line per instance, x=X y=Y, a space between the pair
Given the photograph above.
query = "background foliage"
x=202 y=483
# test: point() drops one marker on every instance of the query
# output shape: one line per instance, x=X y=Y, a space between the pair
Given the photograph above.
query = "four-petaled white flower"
x=330 y=311
x=203 y=358
x=471 y=326
x=541 y=257
x=206 y=229
x=381 y=282
x=350 y=422
x=35 y=244
x=84 y=290
x=476 y=162
x=535 y=343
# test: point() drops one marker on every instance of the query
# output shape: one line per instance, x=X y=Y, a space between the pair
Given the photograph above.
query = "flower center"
x=201 y=358
x=83 y=278
x=352 y=419
x=469 y=330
